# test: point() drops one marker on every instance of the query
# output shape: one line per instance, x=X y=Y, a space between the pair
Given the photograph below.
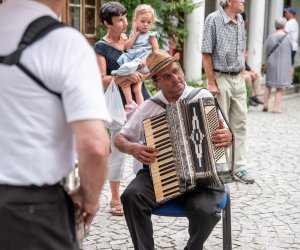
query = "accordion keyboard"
x=163 y=171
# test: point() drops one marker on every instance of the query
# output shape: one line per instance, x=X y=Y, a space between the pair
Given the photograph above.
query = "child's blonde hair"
x=145 y=8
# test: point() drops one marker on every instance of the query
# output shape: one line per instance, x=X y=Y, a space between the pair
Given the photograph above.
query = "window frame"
x=83 y=6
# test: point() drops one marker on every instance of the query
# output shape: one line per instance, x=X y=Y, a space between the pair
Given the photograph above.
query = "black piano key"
x=165 y=157
x=169 y=180
x=160 y=155
x=160 y=134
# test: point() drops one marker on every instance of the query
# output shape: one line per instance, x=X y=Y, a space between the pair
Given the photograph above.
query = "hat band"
x=168 y=59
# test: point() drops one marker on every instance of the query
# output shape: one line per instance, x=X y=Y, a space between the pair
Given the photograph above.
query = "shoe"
x=116 y=209
x=252 y=103
x=130 y=108
x=256 y=100
x=265 y=109
x=243 y=177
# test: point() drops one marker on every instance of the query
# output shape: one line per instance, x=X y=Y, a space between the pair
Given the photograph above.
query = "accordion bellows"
x=187 y=157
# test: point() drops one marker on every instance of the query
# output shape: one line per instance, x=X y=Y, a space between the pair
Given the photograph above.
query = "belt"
x=232 y=73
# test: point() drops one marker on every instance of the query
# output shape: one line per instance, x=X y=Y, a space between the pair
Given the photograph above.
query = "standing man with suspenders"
x=223 y=50
x=51 y=106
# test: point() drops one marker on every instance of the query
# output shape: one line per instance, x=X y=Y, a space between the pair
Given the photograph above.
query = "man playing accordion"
x=138 y=198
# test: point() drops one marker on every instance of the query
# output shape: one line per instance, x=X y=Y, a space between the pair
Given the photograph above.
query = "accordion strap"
x=190 y=96
x=233 y=139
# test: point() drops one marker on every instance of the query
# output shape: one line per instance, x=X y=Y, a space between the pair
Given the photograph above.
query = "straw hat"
x=158 y=60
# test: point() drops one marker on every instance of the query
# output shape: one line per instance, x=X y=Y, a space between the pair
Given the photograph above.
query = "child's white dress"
x=130 y=60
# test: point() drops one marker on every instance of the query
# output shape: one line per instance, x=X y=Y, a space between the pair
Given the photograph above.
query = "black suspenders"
x=190 y=96
x=35 y=31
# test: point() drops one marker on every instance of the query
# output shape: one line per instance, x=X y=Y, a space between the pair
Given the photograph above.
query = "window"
x=82 y=15
x=74 y=18
x=90 y=17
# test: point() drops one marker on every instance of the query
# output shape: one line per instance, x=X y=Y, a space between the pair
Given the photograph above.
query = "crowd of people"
x=54 y=112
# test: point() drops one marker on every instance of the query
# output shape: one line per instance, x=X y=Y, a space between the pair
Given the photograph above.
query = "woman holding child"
x=109 y=49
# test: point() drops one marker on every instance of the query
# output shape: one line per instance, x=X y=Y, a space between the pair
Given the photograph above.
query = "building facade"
x=261 y=15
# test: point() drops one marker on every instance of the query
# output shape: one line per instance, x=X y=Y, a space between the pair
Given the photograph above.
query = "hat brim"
x=151 y=74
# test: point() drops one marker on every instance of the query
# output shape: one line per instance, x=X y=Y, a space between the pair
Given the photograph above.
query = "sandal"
x=117 y=209
x=276 y=111
x=265 y=109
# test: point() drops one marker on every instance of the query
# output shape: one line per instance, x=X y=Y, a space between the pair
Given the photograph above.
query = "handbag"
x=115 y=106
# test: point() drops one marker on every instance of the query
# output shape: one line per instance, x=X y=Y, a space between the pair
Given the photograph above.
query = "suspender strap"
x=190 y=96
x=233 y=139
x=37 y=80
x=35 y=31
x=159 y=102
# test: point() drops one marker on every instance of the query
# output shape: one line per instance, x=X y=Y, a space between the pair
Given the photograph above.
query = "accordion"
x=186 y=155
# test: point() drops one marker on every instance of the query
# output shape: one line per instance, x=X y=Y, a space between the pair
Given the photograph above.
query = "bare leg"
x=115 y=203
x=127 y=93
x=278 y=96
x=267 y=94
x=137 y=90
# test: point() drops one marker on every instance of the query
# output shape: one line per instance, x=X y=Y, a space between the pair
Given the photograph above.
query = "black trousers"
x=36 y=218
x=201 y=205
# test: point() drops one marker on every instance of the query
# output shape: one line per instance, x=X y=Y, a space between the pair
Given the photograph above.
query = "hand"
x=142 y=63
x=144 y=154
x=136 y=29
x=87 y=208
x=125 y=81
x=213 y=88
x=222 y=136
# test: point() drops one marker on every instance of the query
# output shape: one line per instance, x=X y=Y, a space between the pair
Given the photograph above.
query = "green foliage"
x=170 y=13
x=297 y=75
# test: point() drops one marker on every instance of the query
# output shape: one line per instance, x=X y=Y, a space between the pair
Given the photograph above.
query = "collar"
x=227 y=19
x=184 y=94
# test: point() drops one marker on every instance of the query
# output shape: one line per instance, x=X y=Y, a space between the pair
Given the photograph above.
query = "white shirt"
x=292 y=28
x=36 y=140
x=133 y=130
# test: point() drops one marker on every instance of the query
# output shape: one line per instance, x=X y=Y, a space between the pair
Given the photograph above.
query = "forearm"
x=130 y=42
x=93 y=153
x=208 y=67
x=123 y=144
x=106 y=81
x=142 y=153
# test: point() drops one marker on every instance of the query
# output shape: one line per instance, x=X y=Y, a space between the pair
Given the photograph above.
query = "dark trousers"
x=36 y=218
x=201 y=205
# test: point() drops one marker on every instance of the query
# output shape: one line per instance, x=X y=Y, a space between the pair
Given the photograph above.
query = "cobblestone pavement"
x=265 y=215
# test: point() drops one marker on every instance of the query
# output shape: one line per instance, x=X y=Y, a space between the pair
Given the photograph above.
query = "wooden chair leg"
x=226 y=220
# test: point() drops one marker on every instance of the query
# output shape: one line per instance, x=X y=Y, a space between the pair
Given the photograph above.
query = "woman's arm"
x=106 y=79
x=122 y=81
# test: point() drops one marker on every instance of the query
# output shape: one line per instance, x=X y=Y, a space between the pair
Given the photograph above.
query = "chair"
x=173 y=209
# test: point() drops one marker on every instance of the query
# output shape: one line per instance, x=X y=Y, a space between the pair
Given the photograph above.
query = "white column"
x=192 y=45
x=276 y=10
x=217 y=4
x=255 y=35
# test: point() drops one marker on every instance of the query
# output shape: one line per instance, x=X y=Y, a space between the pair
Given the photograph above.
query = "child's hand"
x=124 y=37
x=136 y=29
x=142 y=63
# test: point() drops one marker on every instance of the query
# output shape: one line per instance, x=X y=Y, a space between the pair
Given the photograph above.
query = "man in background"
x=292 y=28
x=223 y=48
x=39 y=131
